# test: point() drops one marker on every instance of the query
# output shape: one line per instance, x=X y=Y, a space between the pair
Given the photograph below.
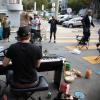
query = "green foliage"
x=76 y=5
x=29 y=4
x=49 y=6
x=40 y=2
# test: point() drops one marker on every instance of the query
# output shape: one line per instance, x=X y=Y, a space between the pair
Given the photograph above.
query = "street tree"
x=29 y=4
x=95 y=5
x=76 y=5
x=40 y=3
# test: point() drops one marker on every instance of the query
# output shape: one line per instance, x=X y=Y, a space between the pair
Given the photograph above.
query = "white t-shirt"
x=90 y=18
x=36 y=24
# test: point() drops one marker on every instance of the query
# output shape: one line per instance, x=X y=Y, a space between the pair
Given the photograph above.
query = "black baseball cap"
x=23 y=31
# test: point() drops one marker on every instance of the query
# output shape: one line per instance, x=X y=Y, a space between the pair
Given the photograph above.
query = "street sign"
x=69 y=10
x=53 y=4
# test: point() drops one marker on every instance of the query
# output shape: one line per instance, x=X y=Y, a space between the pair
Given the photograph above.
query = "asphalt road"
x=66 y=37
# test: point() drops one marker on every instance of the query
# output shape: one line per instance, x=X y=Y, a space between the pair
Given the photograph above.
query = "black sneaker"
x=54 y=41
x=82 y=43
x=97 y=44
x=49 y=41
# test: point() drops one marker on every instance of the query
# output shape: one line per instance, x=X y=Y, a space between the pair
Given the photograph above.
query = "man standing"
x=87 y=21
x=53 y=28
x=99 y=35
x=98 y=44
x=25 y=57
x=35 y=29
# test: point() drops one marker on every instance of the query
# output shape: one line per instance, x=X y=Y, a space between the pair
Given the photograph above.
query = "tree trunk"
x=95 y=5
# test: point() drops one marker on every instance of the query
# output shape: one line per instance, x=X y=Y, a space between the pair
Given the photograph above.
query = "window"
x=14 y=1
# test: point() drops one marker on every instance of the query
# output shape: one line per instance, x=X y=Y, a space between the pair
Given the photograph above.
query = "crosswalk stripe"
x=74 y=41
x=92 y=59
x=84 y=48
x=73 y=37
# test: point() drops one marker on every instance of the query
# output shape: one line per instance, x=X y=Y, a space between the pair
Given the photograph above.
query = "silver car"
x=66 y=18
x=73 y=22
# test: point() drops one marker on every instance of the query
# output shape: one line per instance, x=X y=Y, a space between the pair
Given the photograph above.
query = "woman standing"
x=1 y=29
x=25 y=19
x=6 y=28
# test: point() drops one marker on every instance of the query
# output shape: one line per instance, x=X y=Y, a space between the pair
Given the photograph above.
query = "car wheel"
x=70 y=25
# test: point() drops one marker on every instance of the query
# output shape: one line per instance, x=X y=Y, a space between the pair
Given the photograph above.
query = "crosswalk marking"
x=71 y=39
x=92 y=59
x=74 y=41
x=84 y=48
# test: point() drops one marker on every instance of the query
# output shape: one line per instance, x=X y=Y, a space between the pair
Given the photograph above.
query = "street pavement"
x=67 y=37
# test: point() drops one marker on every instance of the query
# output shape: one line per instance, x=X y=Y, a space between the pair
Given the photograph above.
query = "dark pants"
x=86 y=33
x=6 y=32
x=99 y=38
x=36 y=34
x=53 y=31
x=10 y=80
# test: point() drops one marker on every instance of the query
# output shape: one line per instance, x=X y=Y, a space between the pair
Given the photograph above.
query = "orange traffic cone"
x=88 y=73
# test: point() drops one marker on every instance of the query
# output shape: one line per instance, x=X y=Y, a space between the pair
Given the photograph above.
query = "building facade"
x=62 y=5
x=13 y=9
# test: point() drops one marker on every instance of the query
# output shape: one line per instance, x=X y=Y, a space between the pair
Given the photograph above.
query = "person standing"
x=25 y=58
x=98 y=44
x=6 y=28
x=99 y=34
x=35 y=27
x=25 y=19
x=87 y=21
x=1 y=29
x=53 y=28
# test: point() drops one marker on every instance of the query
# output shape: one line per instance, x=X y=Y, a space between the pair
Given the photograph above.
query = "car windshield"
x=62 y=17
x=71 y=19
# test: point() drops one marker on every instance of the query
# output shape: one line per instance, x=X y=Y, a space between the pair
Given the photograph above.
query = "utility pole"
x=34 y=6
x=56 y=8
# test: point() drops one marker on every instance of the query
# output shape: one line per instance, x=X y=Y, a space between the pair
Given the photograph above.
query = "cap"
x=35 y=14
x=23 y=31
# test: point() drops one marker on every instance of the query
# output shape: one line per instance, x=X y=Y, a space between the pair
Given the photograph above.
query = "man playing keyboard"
x=25 y=58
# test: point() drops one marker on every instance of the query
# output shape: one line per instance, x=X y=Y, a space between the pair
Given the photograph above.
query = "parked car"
x=60 y=16
x=64 y=18
x=73 y=22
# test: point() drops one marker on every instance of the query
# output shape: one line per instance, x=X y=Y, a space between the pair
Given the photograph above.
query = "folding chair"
x=81 y=43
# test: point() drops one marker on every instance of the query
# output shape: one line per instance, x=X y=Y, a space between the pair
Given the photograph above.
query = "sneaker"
x=82 y=43
x=97 y=44
x=49 y=41
x=54 y=41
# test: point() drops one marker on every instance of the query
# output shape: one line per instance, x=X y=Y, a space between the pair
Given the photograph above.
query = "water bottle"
x=67 y=66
